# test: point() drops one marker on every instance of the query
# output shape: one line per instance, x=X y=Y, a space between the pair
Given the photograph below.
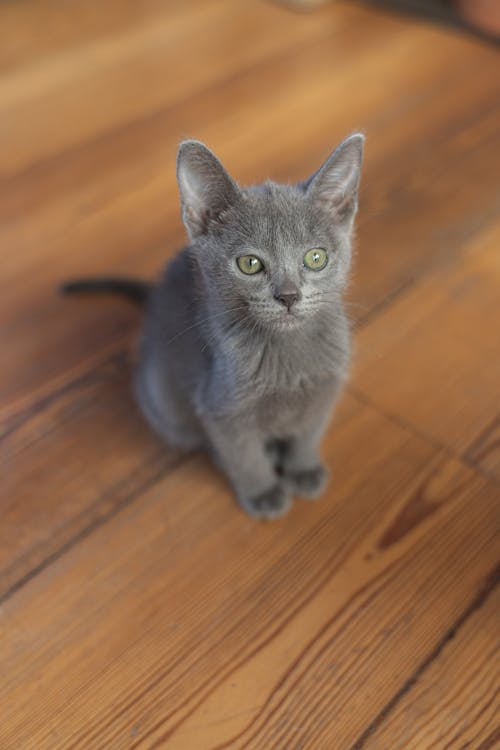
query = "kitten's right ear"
x=206 y=189
x=334 y=187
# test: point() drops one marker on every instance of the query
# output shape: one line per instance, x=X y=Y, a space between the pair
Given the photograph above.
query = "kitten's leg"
x=241 y=454
x=275 y=450
x=301 y=464
x=302 y=467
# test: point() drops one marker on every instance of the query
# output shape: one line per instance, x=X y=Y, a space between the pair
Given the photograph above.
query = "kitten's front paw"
x=308 y=483
x=270 y=504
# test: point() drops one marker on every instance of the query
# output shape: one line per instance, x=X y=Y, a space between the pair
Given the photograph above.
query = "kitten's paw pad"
x=308 y=483
x=270 y=504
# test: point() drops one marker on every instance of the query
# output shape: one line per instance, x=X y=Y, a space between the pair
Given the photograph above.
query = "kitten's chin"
x=278 y=321
x=285 y=321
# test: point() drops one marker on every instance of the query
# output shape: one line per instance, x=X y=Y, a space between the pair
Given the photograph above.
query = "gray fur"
x=224 y=365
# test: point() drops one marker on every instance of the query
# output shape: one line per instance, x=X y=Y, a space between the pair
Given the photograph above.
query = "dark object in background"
x=483 y=14
x=480 y=16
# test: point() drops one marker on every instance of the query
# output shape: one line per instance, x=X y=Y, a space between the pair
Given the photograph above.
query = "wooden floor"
x=140 y=608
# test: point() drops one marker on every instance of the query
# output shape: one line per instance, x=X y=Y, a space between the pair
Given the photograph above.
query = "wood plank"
x=69 y=462
x=301 y=632
x=456 y=702
x=421 y=220
x=45 y=28
x=88 y=90
x=433 y=357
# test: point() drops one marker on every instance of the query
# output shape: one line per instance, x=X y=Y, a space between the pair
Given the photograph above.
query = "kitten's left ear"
x=334 y=187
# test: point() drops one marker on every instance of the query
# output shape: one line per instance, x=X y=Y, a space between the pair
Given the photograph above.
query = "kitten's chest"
x=288 y=373
x=283 y=396
x=273 y=384
x=281 y=412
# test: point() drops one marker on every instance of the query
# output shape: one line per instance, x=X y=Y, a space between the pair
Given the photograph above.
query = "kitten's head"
x=278 y=255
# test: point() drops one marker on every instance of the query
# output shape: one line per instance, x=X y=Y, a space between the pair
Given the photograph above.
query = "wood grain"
x=58 y=480
x=457 y=701
x=295 y=624
x=437 y=334
x=139 y=608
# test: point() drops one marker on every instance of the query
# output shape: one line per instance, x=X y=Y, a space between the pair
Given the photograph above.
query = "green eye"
x=315 y=259
x=249 y=264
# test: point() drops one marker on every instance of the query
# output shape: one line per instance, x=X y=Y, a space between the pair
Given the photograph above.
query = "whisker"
x=201 y=322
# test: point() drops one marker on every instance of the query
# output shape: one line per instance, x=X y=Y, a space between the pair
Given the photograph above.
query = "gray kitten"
x=246 y=342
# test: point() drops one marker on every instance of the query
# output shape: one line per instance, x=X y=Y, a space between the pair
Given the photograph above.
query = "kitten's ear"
x=334 y=187
x=206 y=189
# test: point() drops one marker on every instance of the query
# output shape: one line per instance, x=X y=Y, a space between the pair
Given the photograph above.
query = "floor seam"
x=409 y=426
x=490 y=584
x=93 y=526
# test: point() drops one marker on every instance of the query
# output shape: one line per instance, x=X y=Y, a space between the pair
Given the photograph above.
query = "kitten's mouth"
x=280 y=320
x=286 y=319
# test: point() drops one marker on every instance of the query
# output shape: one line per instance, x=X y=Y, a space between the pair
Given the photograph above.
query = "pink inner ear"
x=337 y=199
x=335 y=184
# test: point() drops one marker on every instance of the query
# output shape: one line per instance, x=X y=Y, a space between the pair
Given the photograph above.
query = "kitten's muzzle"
x=288 y=295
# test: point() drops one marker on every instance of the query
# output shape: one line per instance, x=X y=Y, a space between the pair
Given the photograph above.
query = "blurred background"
x=108 y=539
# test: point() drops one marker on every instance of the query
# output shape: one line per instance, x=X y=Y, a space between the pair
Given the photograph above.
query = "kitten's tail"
x=138 y=291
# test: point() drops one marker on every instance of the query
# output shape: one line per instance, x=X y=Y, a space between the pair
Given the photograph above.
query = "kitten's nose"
x=288 y=295
x=287 y=299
